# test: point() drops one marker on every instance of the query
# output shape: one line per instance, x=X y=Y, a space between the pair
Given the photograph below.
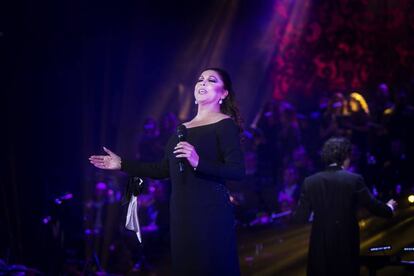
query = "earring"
x=195 y=102
x=220 y=101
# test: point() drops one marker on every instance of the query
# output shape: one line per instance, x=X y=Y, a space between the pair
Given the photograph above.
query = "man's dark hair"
x=336 y=150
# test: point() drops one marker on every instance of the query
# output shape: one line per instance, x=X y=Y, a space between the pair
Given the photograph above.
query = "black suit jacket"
x=334 y=196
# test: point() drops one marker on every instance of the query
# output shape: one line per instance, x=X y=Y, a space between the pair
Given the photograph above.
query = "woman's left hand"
x=186 y=150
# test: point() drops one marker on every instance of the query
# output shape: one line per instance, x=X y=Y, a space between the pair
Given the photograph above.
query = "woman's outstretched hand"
x=186 y=150
x=106 y=162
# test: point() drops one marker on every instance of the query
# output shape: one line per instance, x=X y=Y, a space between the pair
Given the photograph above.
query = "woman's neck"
x=207 y=111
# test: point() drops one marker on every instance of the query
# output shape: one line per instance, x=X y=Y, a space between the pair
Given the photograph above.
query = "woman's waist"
x=191 y=197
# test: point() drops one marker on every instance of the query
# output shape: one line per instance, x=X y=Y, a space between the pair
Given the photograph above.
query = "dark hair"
x=336 y=150
x=229 y=105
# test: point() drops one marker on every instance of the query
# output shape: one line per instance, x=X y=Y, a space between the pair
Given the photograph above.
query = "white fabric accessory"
x=132 y=221
x=392 y=208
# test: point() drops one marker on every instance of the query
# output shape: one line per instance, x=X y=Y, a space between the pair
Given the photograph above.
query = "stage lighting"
x=357 y=102
x=380 y=248
x=411 y=199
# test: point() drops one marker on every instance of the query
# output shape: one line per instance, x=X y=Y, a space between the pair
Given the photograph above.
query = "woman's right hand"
x=106 y=162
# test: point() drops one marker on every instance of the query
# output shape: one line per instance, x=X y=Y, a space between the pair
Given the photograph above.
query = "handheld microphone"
x=182 y=136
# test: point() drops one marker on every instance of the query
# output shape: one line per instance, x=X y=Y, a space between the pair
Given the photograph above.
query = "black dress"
x=203 y=238
x=334 y=196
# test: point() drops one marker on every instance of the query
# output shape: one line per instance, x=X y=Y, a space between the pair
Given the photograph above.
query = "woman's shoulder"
x=227 y=125
x=226 y=121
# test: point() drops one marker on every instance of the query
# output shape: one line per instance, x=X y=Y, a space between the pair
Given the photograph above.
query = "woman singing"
x=203 y=238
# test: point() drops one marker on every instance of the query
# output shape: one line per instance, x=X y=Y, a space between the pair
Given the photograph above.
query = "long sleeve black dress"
x=334 y=196
x=203 y=238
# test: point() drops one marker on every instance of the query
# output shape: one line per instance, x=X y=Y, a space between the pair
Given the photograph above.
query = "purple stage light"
x=67 y=196
x=101 y=186
x=398 y=189
x=60 y=199
x=375 y=191
x=46 y=220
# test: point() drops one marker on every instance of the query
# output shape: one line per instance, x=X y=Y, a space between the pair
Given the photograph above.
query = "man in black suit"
x=334 y=196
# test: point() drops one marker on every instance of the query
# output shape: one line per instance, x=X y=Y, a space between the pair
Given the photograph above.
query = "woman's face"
x=209 y=88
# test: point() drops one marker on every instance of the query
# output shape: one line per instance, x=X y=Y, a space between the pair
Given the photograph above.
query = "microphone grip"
x=181 y=160
x=181 y=133
x=181 y=165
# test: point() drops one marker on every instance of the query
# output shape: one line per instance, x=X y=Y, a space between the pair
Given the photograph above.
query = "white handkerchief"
x=132 y=221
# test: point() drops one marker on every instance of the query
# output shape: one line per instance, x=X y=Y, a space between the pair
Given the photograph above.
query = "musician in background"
x=334 y=196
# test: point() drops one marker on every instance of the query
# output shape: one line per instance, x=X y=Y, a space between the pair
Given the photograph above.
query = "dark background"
x=82 y=74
